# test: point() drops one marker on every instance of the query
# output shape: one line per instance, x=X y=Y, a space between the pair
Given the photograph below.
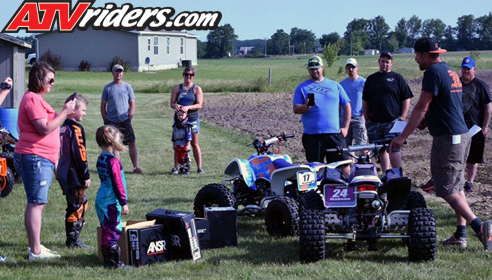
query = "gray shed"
x=12 y=64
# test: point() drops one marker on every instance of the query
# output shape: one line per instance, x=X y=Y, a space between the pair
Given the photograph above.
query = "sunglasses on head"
x=189 y=74
x=313 y=63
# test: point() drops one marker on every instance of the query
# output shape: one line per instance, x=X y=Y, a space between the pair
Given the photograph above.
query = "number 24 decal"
x=340 y=193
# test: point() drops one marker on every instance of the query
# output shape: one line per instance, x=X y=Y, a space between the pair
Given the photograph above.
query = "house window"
x=148 y=43
x=156 y=45
x=182 y=46
x=168 y=47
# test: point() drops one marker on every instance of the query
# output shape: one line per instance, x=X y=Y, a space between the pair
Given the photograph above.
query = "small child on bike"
x=181 y=143
x=111 y=199
x=73 y=172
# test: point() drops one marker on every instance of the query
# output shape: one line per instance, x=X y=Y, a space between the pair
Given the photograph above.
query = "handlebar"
x=263 y=145
x=357 y=148
x=375 y=148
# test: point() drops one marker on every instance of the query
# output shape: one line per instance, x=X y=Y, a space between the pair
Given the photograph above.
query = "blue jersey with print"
x=323 y=117
x=354 y=91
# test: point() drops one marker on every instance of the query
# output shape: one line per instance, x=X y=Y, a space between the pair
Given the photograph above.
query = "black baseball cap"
x=387 y=54
x=428 y=45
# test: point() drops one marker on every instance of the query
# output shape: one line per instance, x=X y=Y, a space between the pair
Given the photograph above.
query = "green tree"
x=220 y=42
x=278 y=43
x=414 y=25
x=484 y=31
x=356 y=38
x=378 y=29
x=201 y=49
x=434 y=28
x=331 y=38
x=330 y=52
x=465 y=31
x=356 y=25
x=302 y=40
x=401 y=32
x=449 y=38
x=393 y=41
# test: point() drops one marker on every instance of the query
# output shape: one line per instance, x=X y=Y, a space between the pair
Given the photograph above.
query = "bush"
x=84 y=66
x=121 y=61
x=51 y=59
x=475 y=54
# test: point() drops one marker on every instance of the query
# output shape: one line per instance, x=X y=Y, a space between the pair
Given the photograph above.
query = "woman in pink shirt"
x=36 y=152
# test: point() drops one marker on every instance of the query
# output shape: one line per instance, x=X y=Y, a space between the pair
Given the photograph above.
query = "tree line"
x=470 y=33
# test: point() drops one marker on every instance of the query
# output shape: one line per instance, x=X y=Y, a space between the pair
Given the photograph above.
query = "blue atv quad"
x=267 y=183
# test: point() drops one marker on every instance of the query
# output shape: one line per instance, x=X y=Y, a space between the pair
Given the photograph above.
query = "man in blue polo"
x=320 y=117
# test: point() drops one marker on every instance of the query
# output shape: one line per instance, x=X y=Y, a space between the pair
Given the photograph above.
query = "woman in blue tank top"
x=188 y=97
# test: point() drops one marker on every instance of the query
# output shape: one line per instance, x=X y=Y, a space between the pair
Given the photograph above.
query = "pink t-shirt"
x=34 y=107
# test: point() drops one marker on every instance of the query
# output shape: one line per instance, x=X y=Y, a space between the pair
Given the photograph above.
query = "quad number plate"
x=306 y=180
x=339 y=196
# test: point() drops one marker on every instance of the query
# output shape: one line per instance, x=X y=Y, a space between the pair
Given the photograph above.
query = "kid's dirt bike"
x=8 y=174
x=366 y=208
x=267 y=183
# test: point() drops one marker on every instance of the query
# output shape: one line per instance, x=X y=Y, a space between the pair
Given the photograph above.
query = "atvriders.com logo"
x=41 y=16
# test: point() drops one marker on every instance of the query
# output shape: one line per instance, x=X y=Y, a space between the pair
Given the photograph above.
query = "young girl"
x=111 y=200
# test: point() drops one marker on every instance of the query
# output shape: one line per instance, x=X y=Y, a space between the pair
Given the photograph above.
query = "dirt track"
x=263 y=114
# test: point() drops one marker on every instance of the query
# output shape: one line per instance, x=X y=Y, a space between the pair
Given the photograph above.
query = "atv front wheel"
x=422 y=245
x=312 y=237
x=213 y=195
x=7 y=183
x=282 y=217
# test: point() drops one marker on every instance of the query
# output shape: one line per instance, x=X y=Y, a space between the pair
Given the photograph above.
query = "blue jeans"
x=37 y=175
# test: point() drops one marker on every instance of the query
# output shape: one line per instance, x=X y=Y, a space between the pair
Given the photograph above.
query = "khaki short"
x=448 y=163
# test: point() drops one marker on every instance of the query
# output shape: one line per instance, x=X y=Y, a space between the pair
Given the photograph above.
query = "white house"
x=144 y=50
x=371 y=52
x=405 y=50
x=245 y=50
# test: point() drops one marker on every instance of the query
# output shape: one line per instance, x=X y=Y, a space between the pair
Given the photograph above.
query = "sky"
x=260 y=19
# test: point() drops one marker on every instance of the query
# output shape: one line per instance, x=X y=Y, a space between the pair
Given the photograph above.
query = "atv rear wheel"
x=213 y=195
x=422 y=245
x=7 y=183
x=282 y=217
x=312 y=238
x=415 y=200
x=311 y=200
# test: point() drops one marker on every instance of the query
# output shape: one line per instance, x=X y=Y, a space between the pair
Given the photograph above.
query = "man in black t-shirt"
x=385 y=99
x=440 y=103
x=477 y=108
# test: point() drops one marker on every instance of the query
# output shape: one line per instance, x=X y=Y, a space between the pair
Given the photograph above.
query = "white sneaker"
x=44 y=254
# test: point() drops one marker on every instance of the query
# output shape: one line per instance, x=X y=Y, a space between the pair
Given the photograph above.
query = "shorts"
x=196 y=126
x=448 y=164
x=316 y=144
x=476 y=149
x=196 y=123
x=357 y=132
x=380 y=131
x=125 y=128
x=37 y=175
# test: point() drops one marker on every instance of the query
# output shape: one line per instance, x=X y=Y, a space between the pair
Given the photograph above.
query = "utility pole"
x=265 y=47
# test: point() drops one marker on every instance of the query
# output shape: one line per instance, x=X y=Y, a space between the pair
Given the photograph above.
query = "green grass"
x=257 y=256
x=252 y=75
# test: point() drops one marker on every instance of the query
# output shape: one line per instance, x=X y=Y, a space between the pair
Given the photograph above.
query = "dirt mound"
x=264 y=114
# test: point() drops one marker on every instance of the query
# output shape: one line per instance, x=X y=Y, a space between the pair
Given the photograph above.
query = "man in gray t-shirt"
x=117 y=109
